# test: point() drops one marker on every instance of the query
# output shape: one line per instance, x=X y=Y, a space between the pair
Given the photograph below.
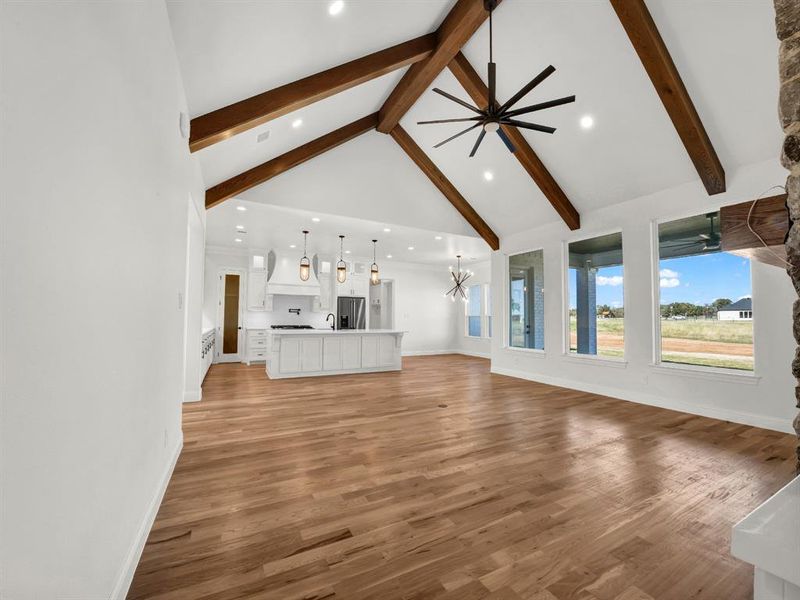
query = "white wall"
x=471 y=345
x=94 y=219
x=767 y=400
x=420 y=309
x=193 y=298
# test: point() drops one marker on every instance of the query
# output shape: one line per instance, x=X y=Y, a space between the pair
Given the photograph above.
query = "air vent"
x=263 y=136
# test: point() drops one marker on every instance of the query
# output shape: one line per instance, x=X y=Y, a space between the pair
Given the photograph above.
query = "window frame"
x=703 y=371
x=507 y=302
x=565 y=332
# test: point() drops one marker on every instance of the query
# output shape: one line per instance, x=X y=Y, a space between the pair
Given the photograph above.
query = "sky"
x=696 y=279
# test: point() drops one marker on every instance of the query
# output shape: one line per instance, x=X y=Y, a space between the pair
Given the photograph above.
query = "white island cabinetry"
x=307 y=353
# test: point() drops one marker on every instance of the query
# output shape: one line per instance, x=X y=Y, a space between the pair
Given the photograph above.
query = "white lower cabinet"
x=386 y=350
x=351 y=352
x=257 y=345
x=301 y=354
x=369 y=351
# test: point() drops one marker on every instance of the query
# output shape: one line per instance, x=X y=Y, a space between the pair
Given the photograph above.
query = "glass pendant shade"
x=374 y=277
x=305 y=268
x=305 y=264
x=341 y=266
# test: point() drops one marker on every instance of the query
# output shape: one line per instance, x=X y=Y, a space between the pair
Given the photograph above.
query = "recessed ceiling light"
x=241 y=208
x=297 y=123
x=292 y=245
x=488 y=175
x=411 y=247
x=388 y=256
x=238 y=240
x=347 y=251
x=334 y=8
x=587 y=121
x=386 y=230
x=240 y=227
x=315 y=219
x=438 y=237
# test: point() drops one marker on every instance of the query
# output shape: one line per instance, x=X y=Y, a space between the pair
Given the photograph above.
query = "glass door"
x=230 y=316
x=519 y=322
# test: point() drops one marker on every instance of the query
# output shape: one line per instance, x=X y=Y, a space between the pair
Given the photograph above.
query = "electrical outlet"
x=166 y=438
x=180 y=300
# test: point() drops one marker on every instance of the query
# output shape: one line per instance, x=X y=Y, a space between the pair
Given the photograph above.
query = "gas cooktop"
x=291 y=327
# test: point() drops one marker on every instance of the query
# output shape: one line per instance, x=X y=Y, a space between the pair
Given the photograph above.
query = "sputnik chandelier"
x=459 y=277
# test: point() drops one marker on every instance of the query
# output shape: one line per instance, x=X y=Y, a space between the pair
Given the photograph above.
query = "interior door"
x=519 y=321
x=231 y=309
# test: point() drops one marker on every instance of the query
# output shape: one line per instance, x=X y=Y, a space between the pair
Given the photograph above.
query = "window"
x=526 y=300
x=596 y=306
x=705 y=297
x=488 y=303
x=474 y=311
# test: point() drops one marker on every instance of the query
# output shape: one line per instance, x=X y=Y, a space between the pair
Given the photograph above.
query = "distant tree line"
x=674 y=309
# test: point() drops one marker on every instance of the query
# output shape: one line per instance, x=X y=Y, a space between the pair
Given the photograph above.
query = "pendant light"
x=341 y=266
x=305 y=264
x=373 y=270
x=458 y=278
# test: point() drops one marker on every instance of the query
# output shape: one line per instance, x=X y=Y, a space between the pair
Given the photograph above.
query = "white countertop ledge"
x=336 y=332
x=769 y=537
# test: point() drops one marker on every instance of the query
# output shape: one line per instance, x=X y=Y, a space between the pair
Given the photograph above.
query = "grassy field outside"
x=702 y=342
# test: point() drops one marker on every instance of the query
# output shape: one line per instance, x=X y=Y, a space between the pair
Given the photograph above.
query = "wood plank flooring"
x=446 y=482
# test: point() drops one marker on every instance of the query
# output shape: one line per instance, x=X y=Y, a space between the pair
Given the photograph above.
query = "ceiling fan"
x=495 y=114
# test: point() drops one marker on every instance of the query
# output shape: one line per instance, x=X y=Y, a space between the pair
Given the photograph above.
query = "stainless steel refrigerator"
x=352 y=312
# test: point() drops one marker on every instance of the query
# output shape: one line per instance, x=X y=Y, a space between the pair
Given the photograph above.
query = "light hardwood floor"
x=445 y=481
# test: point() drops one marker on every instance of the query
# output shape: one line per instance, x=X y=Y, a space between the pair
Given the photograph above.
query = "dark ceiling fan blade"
x=470 y=128
x=458 y=100
x=492 y=85
x=528 y=87
x=506 y=141
x=477 y=143
x=450 y=120
x=540 y=106
x=523 y=125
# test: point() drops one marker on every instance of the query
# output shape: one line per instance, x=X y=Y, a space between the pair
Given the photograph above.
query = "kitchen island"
x=315 y=352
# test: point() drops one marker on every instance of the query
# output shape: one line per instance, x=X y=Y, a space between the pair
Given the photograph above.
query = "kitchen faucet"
x=333 y=325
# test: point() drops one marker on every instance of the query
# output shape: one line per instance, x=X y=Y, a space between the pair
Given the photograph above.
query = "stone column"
x=537 y=316
x=586 y=300
x=787 y=23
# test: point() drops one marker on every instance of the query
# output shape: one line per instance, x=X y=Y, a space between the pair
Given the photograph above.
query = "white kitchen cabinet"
x=369 y=351
x=289 y=355
x=351 y=352
x=257 y=345
x=332 y=354
x=311 y=354
x=257 y=290
x=386 y=350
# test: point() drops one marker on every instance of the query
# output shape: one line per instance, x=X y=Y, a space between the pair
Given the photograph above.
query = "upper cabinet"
x=257 y=284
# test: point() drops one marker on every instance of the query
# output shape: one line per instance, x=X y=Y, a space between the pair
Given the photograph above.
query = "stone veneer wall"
x=787 y=23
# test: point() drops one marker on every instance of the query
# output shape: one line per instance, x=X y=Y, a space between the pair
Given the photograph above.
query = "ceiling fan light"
x=491 y=126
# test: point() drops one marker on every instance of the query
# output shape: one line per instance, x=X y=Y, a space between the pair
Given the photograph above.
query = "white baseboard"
x=722 y=414
x=134 y=554
x=428 y=352
x=476 y=354
x=193 y=395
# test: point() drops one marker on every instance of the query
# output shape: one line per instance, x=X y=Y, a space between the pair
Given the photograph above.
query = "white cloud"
x=613 y=280
x=669 y=282
x=616 y=304
x=668 y=273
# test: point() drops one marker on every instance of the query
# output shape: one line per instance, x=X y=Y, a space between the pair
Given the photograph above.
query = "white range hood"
x=285 y=276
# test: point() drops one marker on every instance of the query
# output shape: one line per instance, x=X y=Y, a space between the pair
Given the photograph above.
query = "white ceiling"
x=726 y=53
x=270 y=227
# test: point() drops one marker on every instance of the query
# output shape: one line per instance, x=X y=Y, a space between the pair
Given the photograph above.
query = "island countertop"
x=336 y=331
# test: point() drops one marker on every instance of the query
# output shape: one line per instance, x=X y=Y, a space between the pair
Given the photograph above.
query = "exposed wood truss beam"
x=655 y=57
x=284 y=162
x=477 y=90
x=456 y=29
x=225 y=122
x=448 y=189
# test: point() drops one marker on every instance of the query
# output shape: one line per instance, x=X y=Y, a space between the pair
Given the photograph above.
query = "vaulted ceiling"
x=724 y=52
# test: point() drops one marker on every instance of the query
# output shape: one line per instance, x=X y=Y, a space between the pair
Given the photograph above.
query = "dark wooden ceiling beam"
x=459 y=25
x=280 y=164
x=647 y=41
x=226 y=122
x=477 y=90
x=448 y=189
